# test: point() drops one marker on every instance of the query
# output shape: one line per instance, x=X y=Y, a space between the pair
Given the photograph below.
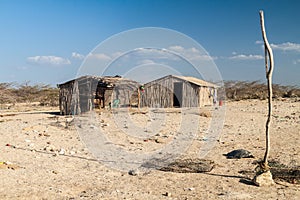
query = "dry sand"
x=46 y=159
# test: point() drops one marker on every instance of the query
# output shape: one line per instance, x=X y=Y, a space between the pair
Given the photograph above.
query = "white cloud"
x=77 y=56
x=116 y=54
x=146 y=54
x=157 y=54
x=287 y=46
x=192 y=54
x=48 y=60
x=100 y=56
x=146 y=61
x=193 y=50
x=246 y=57
x=176 y=48
x=201 y=57
x=259 y=42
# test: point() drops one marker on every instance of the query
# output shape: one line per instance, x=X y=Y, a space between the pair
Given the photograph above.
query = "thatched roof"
x=105 y=81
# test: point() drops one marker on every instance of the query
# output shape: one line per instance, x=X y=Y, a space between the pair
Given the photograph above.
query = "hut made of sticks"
x=88 y=92
x=178 y=91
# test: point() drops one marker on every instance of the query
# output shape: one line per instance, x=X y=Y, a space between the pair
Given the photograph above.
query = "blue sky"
x=47 y=41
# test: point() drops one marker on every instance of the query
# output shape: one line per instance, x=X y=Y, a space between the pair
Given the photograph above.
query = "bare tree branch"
x=269 y=71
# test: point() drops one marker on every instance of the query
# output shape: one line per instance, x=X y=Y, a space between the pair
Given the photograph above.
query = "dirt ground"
x=45 y=156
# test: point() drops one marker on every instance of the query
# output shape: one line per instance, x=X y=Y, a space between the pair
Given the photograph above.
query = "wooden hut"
x=178 y=91
x=87 y=92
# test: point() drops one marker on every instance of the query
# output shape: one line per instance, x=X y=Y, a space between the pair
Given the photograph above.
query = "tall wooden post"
x=269 y=71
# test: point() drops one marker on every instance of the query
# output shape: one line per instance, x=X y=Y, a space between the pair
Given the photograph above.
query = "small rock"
x=50 y=148
x=133 y=172
x=93 y=127
x=167 y=194
x=189 y=189
x=12 y=146
x=205 y=114
x=158 y=141
x=7 y=163
x=264 y=179
x=46 y=135
x=62 y=152
x=104 y=124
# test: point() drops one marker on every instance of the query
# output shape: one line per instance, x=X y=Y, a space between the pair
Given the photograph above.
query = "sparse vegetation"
x=11 y=93
x=242 y=90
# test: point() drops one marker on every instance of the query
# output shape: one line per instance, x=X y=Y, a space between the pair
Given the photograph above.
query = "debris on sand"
x=9 y=145
x=133 y=172
x=167 y=194
x=190 y=166
x=8 y=165
x=205 y=113
x=238 y=154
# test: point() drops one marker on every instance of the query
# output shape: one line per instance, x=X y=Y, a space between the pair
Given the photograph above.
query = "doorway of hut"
x=177 y=96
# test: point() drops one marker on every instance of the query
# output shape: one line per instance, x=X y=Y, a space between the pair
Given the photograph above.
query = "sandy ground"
x=45 y=157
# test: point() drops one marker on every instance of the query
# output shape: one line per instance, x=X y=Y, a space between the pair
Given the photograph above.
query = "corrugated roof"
x=196 y=81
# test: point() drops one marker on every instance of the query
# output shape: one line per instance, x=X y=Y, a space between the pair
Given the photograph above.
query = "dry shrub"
x=6 y=93
x=196 y=165
x=26 y=93
x=241 y=90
